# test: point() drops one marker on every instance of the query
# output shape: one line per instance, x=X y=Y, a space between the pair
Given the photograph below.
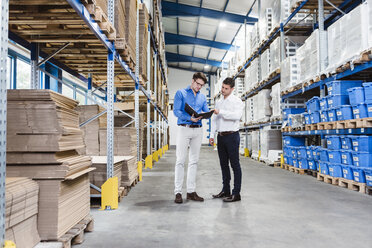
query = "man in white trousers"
x=225 y=121
x=190 y=134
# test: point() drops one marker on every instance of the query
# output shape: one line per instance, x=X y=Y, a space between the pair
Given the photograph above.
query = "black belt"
x=226 y=133
x=190 y=126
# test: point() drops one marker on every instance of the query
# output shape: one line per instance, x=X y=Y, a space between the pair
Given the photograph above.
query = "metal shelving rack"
x=112 y=56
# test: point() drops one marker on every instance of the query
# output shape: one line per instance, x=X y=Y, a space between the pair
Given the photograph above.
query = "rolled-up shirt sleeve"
x=177 y=108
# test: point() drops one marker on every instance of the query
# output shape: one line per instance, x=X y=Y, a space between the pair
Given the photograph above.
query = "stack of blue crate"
x=361 y=100
x=292 y=153
x=368 y=97
x=334 y=155
x=340 y=105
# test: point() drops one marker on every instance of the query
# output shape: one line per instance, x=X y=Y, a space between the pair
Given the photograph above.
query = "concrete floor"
x=278 y=209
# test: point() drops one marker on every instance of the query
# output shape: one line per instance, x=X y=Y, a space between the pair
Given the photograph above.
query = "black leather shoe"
x=194 y=197
x=178 y=198
x=222 y=194
x=232 y=198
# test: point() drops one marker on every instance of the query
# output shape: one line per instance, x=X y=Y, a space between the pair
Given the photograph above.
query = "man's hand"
x=211 y=141
x=216 y=111
x=193 y=119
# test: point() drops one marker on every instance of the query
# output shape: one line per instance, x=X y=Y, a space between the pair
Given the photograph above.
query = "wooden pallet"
x=368 y=190
x=327 y=179
x=313 y=173
x=297 y=170
x=352 y=185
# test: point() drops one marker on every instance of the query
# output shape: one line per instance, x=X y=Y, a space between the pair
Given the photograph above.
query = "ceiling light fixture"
x=222 y=24
x=206 y=67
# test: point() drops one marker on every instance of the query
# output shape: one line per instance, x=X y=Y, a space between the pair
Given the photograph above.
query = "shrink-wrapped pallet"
x=275 y=101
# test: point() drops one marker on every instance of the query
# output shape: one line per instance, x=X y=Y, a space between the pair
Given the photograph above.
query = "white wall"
x=179 y=79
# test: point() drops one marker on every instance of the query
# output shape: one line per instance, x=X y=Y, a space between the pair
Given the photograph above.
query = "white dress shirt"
x=228 y=119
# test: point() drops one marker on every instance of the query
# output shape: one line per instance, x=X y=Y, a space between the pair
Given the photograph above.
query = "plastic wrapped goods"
x=265 y=23
x=275 y=100
x=289 y=73
x=262 y=109
x=269 y=140
x=265 y=64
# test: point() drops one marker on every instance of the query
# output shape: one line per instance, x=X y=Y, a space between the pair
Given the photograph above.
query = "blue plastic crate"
x=368 y=92
x=302 y=164
x=293 y=141
x=358 y=174
x=295 y=163
x=294 y=152
x=360 y=111
x=285 y=159
x=333 y=142
x=362 y=159
x=301 y=152
x=347 y=172
x=368 y=175
x=313 y=105
x=292 y=111
x=324 y=116
x=335 y=170
x=337 y=100
x=347 y=157
x=361 y=143
x=312 y=164
x=323 y=167
x=316 y=152
x=332 y=114
x=369 y=109
x=340 y=87
x=344 y=112
x=334 y=156
x=309 y=152
x=346 y=142
x=356 y=95
x=323 y=103
x=315 y=117
x=307 y=118
x=290 y=161
x=323 y=154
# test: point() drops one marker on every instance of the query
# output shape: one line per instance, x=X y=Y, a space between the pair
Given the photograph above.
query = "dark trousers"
x=228 y=150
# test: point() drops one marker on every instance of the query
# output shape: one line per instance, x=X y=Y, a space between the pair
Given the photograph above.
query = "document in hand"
x=191 y=112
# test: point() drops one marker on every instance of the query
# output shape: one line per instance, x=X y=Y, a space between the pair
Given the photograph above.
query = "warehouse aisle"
x=278 y=209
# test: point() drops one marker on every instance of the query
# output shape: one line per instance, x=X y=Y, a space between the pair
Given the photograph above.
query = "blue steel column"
x=110 y=101
x=136 y=93
x=4 y=5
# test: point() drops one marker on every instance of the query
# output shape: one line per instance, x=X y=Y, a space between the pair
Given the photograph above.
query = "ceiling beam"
x=192 y=70
x=177 y=9
x=174 y=39
x=173 y=57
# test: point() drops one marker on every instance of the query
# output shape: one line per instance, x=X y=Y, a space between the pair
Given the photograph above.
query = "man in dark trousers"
x=225 y=121
x=189 y=136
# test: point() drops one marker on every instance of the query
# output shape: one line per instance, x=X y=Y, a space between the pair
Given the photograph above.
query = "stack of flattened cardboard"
x=43 y=136
x=122 y=120
x=129 y=172
x=21 y=211
x=120 y=18
x=143 y=39
x=125 y=141
x=130 y=26
x=99 y=176
x=90 y=130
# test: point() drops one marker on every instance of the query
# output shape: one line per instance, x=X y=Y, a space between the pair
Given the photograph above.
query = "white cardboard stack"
x=289 y=73
x=265 y=64
x=44 y=135
x=348 y=36
x=261 y=103
x=369 y=2
x=21 y=210
x=270 y=139
x=275 y=101
x=255 y=144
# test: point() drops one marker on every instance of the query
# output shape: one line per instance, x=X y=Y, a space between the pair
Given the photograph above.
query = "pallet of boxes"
x=125 y=150
x=43 y=137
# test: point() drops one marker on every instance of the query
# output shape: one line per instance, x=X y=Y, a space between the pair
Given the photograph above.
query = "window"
x=67 y=91
x=9 y=73
x=23 y=75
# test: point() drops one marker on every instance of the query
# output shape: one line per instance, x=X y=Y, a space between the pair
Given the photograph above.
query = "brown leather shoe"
x=232 y=198
x=221 y=195
x=178 y=198
x=194 y=197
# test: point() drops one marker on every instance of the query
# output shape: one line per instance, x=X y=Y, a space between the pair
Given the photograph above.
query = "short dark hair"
x=200 y=75
x=229 y=81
